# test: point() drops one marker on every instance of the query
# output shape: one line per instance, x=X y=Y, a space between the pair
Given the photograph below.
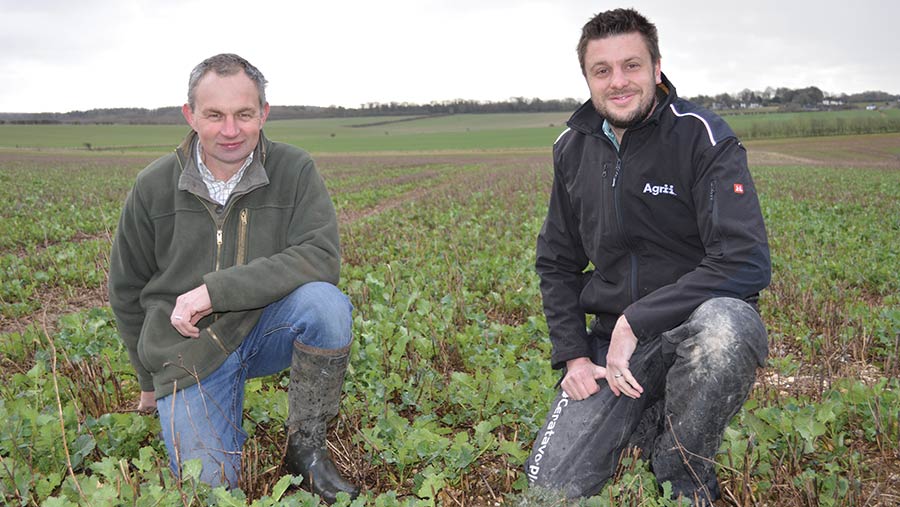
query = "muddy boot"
x=314 y=396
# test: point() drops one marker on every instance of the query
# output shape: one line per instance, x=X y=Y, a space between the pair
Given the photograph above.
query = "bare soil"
x=881 y=151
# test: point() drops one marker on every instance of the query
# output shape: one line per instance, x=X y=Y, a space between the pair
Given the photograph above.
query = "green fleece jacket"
x=277 y=231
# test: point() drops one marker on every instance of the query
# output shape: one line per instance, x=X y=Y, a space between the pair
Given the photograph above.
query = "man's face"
x=228 y=119
x=622 y=79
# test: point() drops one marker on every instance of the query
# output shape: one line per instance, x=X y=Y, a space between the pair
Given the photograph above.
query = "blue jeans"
x=204 y=420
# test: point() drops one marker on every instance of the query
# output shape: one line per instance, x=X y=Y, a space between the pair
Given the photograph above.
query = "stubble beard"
x=638 y=115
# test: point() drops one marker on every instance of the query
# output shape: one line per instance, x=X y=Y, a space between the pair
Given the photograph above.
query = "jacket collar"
x=191 y=180
x=588 y=121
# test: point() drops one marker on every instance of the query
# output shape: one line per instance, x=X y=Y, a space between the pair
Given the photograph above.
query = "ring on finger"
x=617 y=375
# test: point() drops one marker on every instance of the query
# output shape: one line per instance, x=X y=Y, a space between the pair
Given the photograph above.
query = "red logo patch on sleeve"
x=738 y=188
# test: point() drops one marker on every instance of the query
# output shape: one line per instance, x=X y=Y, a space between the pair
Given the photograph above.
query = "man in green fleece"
x=224 y=268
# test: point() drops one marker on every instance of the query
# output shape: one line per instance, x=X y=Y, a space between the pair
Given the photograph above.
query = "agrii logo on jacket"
x=659 y=189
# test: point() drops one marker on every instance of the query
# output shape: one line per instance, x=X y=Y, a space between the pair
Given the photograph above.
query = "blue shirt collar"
x=607 y=129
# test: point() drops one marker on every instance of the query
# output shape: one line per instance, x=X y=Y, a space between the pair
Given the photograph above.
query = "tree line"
x=172 y=115
x=785 y=99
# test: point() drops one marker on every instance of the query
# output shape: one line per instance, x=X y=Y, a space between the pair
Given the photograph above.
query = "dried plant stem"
x=62 y=423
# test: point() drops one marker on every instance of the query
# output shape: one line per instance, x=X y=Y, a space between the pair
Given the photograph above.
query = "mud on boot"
x=314 y=397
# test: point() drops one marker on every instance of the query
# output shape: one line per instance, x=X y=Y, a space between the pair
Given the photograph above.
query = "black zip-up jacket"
x=669 y=221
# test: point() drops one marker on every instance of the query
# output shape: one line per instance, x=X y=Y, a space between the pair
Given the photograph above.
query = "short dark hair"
x=226 y=64
x=619 y=22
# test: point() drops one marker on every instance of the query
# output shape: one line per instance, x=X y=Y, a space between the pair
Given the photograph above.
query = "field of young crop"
x=463 y=132
x=333 y=135
x=450 y=374
x=809 y=124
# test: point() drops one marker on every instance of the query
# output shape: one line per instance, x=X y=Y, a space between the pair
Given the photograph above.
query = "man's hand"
x=621 y=347
x=581 y=378
x=190 y=307
x=147 y=403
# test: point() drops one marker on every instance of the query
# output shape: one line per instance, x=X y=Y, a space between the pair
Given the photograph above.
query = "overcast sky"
x=64 y=55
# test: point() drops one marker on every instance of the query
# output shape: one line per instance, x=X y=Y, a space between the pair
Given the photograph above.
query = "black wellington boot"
x=314 y=397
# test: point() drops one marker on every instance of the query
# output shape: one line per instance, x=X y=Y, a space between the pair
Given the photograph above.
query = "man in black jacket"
x=655 y=229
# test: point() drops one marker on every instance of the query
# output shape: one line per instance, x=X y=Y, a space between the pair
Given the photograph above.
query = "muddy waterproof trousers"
x=695 y=378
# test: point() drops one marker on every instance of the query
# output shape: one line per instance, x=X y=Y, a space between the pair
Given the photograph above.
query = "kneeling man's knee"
x=729 y=330
x=325 y=314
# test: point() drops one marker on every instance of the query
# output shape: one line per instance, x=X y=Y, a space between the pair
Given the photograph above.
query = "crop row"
x=48 y=205
x=55 y=235
x=826 y=123
x=834 y=295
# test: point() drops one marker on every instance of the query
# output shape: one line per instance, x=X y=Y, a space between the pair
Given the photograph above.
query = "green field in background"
x=471 y=131
x=454 y=132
